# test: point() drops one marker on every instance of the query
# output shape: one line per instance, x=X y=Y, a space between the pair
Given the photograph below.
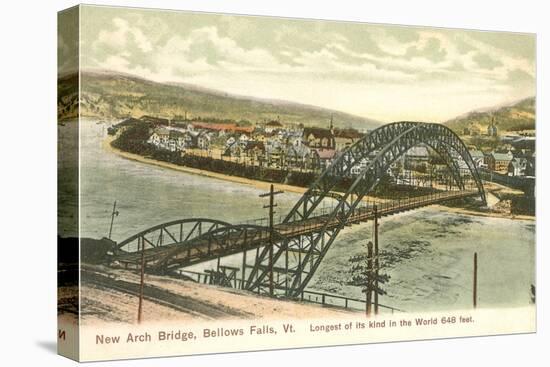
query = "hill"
x=110 y=95
x=516 y=117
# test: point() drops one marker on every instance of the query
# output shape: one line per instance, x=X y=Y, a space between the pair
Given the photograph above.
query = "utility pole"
x=140 y=305
x=376 y=263
x=475 y=280
x=114 y=214
x=369 y=280
x=271 y=206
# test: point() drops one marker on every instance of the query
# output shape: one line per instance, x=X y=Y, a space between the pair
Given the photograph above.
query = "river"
x=431 y=249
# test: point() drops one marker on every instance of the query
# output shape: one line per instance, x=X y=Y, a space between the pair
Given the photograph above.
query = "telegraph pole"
x=369 y=280
x=271 y=206
x=114 y=214
x=475 y=281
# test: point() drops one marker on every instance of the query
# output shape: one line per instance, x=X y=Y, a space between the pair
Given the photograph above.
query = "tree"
x=365 y=275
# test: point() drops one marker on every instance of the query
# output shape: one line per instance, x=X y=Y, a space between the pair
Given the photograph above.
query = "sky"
x=384 y=72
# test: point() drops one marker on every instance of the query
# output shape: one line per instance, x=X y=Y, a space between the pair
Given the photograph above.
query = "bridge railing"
x=334 y=300
x=383 y=206
x=324 y=299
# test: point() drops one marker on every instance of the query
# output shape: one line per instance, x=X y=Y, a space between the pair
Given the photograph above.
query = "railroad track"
x=162 y=297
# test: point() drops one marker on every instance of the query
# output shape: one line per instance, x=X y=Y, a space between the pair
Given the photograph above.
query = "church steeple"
x=330 y=127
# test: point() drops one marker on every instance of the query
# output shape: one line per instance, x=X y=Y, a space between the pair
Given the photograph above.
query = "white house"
x=517 y=167
x=203 y=140
x=243 y=139
x=230 y=141
x=176 y=141
x=479 y=158
x=358 y=167
x=160 y=138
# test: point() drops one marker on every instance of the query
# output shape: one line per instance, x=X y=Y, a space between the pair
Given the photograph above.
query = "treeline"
x=523 y=126
x=134 y=140
x=520 y=204
x=525 y=205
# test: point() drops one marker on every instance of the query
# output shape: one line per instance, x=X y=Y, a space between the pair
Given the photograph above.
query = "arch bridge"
x=291 y=251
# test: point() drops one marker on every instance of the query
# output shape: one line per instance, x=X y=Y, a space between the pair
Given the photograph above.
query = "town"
x=272 y=144
x=279 y=145
x=285 y=152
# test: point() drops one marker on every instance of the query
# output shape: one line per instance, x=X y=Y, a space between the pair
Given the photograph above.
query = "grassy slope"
x=107 y=95
x=520 y=115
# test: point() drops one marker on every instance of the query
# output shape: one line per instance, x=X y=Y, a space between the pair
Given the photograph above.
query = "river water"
x=431 y=249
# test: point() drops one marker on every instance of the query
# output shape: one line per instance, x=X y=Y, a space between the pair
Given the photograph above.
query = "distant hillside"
x=516 y=117
x=107 y=95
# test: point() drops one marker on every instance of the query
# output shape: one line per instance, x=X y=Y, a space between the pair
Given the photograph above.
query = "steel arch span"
x=173 y=232
x=303 y=238
x=190 y=241
x=443 y=139
x=382 y=147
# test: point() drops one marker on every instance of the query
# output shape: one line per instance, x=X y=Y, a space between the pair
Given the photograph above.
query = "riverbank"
x=109 y=295
x=288 y=188
x=219 y=176
x=484 y=214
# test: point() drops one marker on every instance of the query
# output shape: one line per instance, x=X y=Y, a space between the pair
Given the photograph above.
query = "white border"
x=28 y=153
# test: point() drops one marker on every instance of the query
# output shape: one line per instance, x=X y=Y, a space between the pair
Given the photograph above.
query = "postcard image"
x=235 y=183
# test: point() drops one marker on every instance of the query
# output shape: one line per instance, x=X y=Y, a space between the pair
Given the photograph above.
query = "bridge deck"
x=208 y=247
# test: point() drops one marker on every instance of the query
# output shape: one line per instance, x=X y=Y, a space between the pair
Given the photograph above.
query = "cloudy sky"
x=388 y=73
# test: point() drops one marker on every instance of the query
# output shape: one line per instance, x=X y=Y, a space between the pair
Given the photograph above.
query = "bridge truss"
x=302 y=239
